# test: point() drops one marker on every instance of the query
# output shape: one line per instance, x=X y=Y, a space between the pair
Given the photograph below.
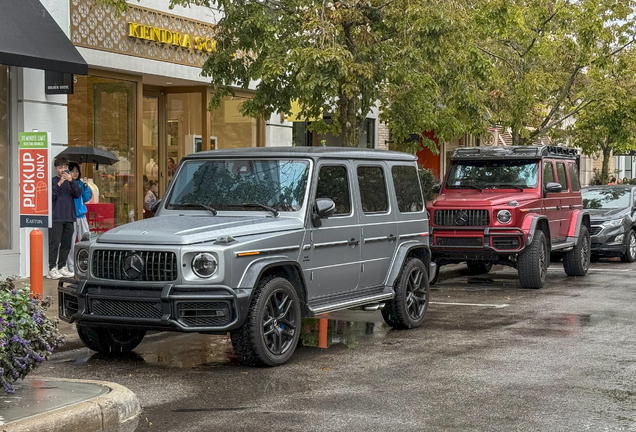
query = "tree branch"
x=541 y=130
x=565 y=93
x=498 y=57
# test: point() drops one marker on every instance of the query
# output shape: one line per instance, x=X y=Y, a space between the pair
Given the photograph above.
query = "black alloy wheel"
x=416 y=294
x=279 y=323
x=630 y=248
x=408 y=307
x=577 y=261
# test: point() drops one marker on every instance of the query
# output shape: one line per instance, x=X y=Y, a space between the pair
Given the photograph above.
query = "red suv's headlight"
x=504 y=216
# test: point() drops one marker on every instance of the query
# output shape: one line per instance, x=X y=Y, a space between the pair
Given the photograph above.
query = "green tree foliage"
x=342 y=57
x=608 y=125
x=542 y=51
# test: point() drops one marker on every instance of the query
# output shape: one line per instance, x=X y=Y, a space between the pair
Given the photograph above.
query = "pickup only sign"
x=35 y=180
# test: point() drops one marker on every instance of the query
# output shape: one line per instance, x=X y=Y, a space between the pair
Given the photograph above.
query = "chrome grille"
x=458 y=241
x=125 y=308
x=158 y=266
x=595 y=230
x=461 y=217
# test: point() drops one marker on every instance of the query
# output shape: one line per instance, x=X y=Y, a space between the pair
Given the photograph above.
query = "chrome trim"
x=423 y=234
x=307 y=247
x=338 y=243
x=375 y=239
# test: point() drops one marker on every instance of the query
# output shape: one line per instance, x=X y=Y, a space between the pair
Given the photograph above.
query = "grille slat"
x=126 y=308
x=159 y=266
x=458 y=241
x=200 y=314
x=454 y=218
x=595 y=230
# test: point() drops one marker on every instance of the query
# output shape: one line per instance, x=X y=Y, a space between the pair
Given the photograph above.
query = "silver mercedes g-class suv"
x=249 y=241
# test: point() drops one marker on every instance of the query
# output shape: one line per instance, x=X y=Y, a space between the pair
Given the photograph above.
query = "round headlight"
x=504 y=216
x=204 y=265
x=82 y=260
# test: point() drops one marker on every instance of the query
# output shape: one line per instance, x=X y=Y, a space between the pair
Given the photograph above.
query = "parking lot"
x=490 y=356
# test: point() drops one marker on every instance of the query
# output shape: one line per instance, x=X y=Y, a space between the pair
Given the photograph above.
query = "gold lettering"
x=147 y=35
x=212 y=45
x=186 y=41
x=198 y=42
x=156 y=34
x=132 y=29
x=176 y=38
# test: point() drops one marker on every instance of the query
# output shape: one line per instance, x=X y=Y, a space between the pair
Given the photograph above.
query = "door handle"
x=558 y=207
x=354 y=242
x=390 y=238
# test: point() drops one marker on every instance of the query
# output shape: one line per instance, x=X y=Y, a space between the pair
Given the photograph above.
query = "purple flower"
x=15 y=374
x=37 y=357
x=37 y=318
x=8 y=388
x=15 y=338
x=8 y=310
x=14 y=291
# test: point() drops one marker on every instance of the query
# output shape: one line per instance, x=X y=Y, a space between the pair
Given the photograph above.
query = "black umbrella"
x=89 y=155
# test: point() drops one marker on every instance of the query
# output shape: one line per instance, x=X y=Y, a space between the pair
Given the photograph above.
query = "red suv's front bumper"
x=474 y=243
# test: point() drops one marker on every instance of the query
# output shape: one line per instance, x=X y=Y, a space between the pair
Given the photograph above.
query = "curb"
x=118 y=406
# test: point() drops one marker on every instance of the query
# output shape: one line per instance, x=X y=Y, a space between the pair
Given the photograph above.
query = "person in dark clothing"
x=64 y=192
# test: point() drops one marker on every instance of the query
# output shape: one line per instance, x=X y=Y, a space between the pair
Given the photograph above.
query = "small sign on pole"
x=35 y=180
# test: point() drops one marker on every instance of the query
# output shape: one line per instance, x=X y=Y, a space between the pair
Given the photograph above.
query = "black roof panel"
x=308 y=152
x=513 y=152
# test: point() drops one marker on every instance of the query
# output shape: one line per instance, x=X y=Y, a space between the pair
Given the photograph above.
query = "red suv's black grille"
x=461 y=217
x=156 y=267
x=458 y=241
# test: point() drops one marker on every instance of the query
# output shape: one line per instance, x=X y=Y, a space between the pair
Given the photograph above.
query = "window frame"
x=572 y=170
x=544 y=164
x=419 y=183
x=386 y=189
x=315 y=194
x=565 y=188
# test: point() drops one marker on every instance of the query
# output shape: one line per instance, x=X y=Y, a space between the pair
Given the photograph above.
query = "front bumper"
x=605 y=244
x=183 y=308
x=470 y=243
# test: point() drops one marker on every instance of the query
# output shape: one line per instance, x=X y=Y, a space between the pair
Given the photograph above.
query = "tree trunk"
x=606 y=158
x=348 y=120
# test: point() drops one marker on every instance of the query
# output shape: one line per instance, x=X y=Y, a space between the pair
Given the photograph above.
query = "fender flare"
x=530 y=223
x=578 y=218
x=256 y=268
x=400 y=255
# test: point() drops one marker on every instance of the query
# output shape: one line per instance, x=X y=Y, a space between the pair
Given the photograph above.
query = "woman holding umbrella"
x=81 y=224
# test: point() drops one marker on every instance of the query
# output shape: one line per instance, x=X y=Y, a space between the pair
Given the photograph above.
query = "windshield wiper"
x=506 y=186
x=469 y=186
x=263 y=206
x=193 y=205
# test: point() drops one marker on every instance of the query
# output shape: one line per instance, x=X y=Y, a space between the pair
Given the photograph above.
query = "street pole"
x=35 y=239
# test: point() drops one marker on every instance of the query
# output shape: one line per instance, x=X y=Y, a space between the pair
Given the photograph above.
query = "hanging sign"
x=35 y=180
x=58 y=83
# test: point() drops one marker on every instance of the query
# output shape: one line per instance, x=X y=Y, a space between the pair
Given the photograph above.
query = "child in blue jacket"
x=81 y=224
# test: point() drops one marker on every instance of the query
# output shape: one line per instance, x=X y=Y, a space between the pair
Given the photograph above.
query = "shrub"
x=27 y=336
x=428 y=180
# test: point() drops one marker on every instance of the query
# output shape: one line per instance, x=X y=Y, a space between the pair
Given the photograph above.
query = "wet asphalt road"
x=490 y=357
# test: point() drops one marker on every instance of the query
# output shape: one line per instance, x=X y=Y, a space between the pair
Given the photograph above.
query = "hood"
x=489 y=197
x=183 y=230
x=607 y=214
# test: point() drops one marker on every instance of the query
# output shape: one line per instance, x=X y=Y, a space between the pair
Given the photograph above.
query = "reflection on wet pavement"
x=199 y=350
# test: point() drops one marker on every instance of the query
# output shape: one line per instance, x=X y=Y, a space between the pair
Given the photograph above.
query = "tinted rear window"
x=407 y=189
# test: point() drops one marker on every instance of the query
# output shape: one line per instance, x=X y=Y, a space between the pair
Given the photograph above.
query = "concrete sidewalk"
x=62 y=405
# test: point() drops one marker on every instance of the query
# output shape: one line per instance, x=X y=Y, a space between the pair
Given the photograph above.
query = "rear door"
x=566 y=199
x=378 y=223
x=552 y=201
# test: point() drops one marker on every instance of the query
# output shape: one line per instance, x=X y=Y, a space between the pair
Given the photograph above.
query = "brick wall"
x=383 y=136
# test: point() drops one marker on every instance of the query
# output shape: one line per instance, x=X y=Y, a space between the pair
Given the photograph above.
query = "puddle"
x=197 y=350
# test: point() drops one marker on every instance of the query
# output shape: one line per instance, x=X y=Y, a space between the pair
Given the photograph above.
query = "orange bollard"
x=322 y=333
x=36 y=262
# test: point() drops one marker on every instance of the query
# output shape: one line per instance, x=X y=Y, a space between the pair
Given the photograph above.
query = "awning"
x=30 y=37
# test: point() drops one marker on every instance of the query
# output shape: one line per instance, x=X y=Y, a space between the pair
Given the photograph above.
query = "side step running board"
x=564 y=245
x=351 y=303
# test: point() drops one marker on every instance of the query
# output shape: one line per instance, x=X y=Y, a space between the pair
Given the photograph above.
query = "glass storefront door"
x=183 y=129
x=102 y=113
x=150 y=153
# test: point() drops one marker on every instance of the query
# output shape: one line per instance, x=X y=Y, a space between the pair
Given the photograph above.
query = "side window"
x=372 y=184
x=548 y=173
x=333 y=183
x=561 y=176
x=407 y=189
x=574 y=177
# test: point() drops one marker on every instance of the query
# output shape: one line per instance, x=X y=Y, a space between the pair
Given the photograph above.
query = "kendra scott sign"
x=164 y=36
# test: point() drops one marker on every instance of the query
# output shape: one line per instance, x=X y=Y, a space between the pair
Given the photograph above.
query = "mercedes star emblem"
x=461 y=217
x=133 y=266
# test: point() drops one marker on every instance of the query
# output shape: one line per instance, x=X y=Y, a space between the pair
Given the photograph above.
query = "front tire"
x=533 y=262
x=270 y=333
x=577 y=261
x=630 y=250
x=107 y=340
x=408 y=308
x=476 y=268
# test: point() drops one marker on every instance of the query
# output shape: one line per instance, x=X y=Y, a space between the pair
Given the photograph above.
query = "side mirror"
x=553 y=187
x=155 y=206
x=323 y=208
x=437 y=187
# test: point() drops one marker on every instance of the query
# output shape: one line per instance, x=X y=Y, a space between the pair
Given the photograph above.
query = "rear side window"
x=548 y=173
x=372 y=184
x=407 y=189
x=574 y=177
x=562 y=178
x=333 y=183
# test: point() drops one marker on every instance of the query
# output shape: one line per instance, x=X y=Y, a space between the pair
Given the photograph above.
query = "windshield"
x=233 y=184
x=605 y=198
x=493 y=174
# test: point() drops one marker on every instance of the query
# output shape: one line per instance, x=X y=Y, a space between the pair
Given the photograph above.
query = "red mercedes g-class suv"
x=514 y=206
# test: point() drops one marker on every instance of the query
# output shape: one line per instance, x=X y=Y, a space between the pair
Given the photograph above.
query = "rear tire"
x=630 y=248
x=270 y=333
x=533 y=262
x=408 y=308
x=479 y=267
x=107 y=340
x=577 y=261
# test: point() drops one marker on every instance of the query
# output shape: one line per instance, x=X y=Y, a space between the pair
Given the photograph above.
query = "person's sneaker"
x=54 y=273
x=66 y=272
